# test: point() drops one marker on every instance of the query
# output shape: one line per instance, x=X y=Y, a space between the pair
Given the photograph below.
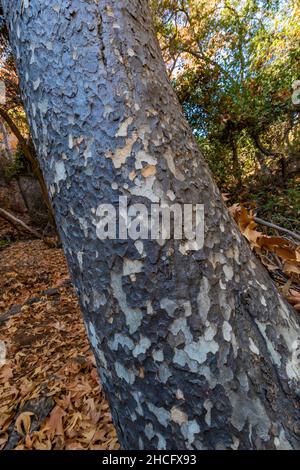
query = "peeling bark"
x=195 y=350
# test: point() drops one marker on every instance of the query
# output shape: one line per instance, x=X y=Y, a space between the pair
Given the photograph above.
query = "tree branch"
x=18 y=222
x=277 y=227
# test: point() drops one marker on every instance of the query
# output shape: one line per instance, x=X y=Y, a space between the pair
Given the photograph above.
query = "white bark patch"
x=228 y=271
x=132 y=175
x=208 y=406
x=133 y=315
x=132 y=267
x=143 y=157
x=140 y=247
x=60 y=172
x=125 y=374
x=80 y=259
x=263 y=301
x=164 y=373
x=150 y=310
x=142 y=346
x=234 y=345
x=84 y=225
x=291 y=334
x=158 y=356
x=187 y=308
x=198 y=351
x=123 y=130
x=226 y=329
x=178 y=416
x=171 y=165
x=109 y=11
x=293 y=365
x=203 y=299
x=281 y=442
x=120 y=155
x=43 y=106
x=276 y=357
x=145 y=189
x=36 y=84
x=253 y=347
x=246 y=410
x=187 y=247
x=94 y=341
x=168 y=305
x=71 y=142
x=179 y=394
x=162 y=444
x=99 y=299
x=243 y=380
x=210 y=332
x=32 y=49
x=189 y=430
x=2 y=353
x=121 y=340
x=180 y=324
x=171 y=195
x=235 y=444
x=162 y=415
x=88 y=150
x=236 y=254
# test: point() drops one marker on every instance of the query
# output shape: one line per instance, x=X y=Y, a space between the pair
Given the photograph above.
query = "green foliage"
x=4 y=243
x=18 y=166
x=279 y=205
x=233 y=64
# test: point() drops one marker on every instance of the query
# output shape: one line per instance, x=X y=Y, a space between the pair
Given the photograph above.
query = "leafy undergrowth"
x=50 y=394
x=274 y=202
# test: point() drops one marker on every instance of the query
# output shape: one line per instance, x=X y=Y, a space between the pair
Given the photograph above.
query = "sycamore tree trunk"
x=195 y=349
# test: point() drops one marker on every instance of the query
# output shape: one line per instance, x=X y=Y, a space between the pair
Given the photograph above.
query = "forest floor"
x=50 y=393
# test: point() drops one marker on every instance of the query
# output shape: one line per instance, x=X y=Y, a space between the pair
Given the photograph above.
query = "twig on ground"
x=17 y=223
x=277 y=227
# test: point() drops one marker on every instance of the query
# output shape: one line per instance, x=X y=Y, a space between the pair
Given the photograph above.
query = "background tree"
x=195 y=349
x=233 y=65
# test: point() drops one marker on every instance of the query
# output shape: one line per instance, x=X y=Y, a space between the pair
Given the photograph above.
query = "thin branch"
x=13 y=220
x=277 y=227
x=265 y=151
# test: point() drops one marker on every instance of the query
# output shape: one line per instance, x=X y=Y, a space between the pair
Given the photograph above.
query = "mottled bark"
x=196 y=350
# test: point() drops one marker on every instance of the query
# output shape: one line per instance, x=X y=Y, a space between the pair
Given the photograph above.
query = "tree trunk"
x=195 y=349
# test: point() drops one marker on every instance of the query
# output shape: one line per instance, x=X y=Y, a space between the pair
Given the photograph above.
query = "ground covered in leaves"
x=50 y=394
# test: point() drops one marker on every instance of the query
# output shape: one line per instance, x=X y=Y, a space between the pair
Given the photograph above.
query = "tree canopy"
x=233 y=64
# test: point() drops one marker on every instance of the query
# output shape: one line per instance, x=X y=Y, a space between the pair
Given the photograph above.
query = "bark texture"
x=196 y=350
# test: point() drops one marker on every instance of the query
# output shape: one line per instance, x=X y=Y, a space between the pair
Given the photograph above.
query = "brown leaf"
x=291 y=268
x=23 y=423
x=55 y=423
